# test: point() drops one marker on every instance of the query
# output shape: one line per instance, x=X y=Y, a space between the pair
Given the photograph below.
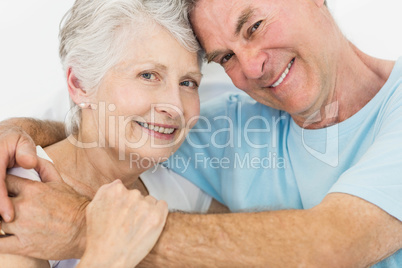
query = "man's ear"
x=77 y=93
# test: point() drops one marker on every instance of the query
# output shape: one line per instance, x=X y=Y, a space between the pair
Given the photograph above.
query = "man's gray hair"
x=94 y=33
x=192 y=3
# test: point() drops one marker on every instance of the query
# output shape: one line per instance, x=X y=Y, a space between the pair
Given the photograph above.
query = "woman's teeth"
x=283 y=75
x=157 y=128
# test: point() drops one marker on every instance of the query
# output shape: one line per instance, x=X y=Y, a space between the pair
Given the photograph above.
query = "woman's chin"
x=147 y=158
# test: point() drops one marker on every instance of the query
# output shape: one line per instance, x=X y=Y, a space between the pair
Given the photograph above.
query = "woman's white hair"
x=93 y=34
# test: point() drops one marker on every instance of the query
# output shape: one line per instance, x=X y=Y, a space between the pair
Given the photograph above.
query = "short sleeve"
x=377 y=176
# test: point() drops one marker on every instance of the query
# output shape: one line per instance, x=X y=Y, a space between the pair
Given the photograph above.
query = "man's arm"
x=18 y=148
x=343 y=231
x=42 y=132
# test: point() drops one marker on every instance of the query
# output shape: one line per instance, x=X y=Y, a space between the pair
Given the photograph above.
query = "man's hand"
x=123 y=227
x=16 y=148
x=50 y=217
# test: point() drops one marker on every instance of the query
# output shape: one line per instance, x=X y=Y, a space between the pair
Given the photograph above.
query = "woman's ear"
x=77 y=93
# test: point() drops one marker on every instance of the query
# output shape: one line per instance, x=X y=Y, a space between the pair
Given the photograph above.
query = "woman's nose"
x=171 y=104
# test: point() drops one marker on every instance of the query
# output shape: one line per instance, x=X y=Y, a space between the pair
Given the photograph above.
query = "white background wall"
x=31 y=78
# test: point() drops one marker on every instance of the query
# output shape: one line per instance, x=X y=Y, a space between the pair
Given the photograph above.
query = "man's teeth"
x=157 y=128
x=283 y=75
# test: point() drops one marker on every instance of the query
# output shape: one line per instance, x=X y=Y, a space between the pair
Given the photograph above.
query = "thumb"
x=47 y=171
x=20 y=149
x=25 y=153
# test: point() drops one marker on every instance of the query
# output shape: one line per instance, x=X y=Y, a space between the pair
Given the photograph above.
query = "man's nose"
x=252 y=63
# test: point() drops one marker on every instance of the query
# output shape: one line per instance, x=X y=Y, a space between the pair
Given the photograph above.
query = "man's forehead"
x=213 y=14
x=230 y=14
x=213 y=20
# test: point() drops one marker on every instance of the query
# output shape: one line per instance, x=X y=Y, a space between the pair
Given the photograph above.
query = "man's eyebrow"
x=212 y=55
x=246 y=14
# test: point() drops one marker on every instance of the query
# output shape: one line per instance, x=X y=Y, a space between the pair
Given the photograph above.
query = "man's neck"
x=359 y=78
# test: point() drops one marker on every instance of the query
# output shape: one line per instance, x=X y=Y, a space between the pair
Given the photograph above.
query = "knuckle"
x=118 y=186
x=156 y=219
x=136 y=194
x=25 y=139
x=103 y=189
x=163 y=204
x=90 y=207
x=111 y=188
x=151 y=199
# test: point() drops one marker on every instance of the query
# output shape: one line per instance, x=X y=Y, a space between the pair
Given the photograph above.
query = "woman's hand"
x=122 y=226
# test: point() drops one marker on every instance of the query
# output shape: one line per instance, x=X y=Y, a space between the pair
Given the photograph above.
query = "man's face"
x=278 y=51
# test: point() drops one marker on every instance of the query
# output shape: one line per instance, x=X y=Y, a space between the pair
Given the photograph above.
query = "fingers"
x=108 y=190
x=163 y=206
x=10 y=244
x=6 y=207
x=15 y=184
x=16 y=147
x=2 y=233
x=133 y=223
x=47 y=171
x=4 y=230
x=150 y=199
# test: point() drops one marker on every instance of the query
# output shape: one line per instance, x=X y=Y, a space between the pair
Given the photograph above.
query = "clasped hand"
x=52 y=221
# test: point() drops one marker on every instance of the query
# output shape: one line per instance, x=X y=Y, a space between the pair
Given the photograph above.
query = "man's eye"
x=191 y=84
x=255 y=27
x=227 y=58
x=148 y=76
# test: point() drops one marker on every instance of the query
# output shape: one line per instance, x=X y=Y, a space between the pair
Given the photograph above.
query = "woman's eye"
x=189 y=84
x=148 y=76
x=255 y=27
x=227 y=58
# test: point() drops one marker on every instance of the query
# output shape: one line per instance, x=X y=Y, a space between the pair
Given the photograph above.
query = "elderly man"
x=318 y=149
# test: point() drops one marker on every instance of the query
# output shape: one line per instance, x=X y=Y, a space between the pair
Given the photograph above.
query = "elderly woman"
x=133 y=70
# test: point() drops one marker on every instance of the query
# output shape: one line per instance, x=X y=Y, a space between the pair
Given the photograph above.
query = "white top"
x=162 y=183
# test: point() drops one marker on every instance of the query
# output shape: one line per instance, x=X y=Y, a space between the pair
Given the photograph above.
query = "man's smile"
x=283 y=75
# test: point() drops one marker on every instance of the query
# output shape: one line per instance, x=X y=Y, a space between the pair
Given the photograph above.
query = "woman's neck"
x=87 y=169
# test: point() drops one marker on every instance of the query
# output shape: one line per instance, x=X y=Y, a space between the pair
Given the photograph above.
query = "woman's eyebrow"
x=160 y=66
x=245 y=15
x=194 y=75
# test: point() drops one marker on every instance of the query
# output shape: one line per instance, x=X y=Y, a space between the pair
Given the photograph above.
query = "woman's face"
x=147 y=103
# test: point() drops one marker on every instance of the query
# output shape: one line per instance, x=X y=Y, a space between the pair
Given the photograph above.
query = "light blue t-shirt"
x=252 y=157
